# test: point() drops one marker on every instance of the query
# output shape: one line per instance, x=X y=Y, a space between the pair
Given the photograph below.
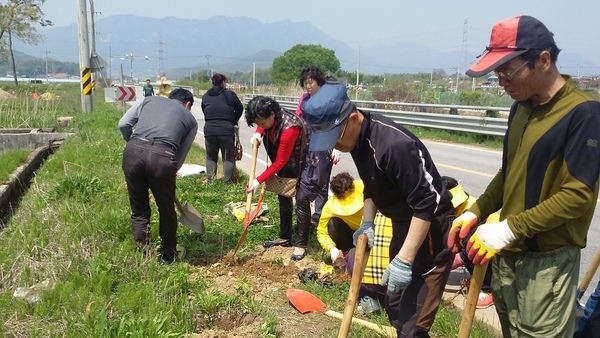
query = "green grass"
x=73 y=229
x=11 y=160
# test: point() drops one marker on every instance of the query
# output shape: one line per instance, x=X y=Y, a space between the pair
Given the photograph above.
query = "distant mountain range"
x=229 y=44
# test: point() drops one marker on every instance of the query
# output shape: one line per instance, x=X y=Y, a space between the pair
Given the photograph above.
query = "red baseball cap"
x=511 y=38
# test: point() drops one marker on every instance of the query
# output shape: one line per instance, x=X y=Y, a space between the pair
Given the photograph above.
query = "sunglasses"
x=509 y=76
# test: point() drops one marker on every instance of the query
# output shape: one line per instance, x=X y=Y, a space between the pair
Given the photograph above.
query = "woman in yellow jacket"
x=340 y=217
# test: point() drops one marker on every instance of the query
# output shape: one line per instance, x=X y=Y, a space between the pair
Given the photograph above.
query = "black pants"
x=412 y=311
x=213 y=145
x=151 y=166
x=321 y=199
x=340 y=234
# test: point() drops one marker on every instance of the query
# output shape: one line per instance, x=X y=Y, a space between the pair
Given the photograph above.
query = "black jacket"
x=401 y=178
x=222 y=109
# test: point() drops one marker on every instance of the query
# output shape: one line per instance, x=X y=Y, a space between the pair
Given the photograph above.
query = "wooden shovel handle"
x=386 y=331
x=587 y=278
x=471 y=304
x=359 y=268
x=252 y=174
x=178 y=204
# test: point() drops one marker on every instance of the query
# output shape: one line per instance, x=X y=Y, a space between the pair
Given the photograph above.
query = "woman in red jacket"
x=286 y=138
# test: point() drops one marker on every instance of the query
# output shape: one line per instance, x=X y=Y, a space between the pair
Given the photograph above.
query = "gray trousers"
x=213 y=145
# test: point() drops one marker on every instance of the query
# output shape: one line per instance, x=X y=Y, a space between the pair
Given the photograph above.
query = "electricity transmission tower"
x=160 y=70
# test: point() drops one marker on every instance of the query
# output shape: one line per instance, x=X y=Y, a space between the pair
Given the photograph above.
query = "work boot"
x=167 y=258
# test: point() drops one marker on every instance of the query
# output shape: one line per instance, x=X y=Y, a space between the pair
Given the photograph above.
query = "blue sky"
x=438 y=24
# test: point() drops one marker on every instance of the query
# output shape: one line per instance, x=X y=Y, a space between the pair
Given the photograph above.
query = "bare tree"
x=19 y=19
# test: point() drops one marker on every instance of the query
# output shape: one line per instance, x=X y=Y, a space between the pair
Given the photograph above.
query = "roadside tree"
x=19 y=19
x=286 y=68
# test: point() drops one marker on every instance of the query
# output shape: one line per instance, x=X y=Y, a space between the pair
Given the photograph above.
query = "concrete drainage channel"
x=44 y=142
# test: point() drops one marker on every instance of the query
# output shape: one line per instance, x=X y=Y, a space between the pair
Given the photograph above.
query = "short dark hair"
x=261 y=107
x=218 y=79
x=312 y=72
x=182 y=95
x=449 y=182
x=342 y=184
x=532 y=54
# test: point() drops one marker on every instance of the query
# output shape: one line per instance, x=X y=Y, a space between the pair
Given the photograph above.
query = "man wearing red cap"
x=546 y=188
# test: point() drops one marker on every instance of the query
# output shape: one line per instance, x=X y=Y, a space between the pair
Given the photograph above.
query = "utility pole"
x=253 y=76
x=463 y=53
x=47 y=66
x=93 y=37
x=84 y=59
x=431 y=79
x=207 y=65
x=110 y=62
x=357 y=72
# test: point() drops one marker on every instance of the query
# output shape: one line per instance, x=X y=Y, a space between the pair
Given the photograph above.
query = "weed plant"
x=11 y=160
x=38 y=106
x=73 y=230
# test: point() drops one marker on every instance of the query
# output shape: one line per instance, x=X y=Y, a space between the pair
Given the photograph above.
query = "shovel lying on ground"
x=250 y=215
x=305 y=302
x=190 y=217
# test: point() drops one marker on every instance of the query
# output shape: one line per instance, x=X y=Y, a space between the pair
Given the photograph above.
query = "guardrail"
x=447 y=117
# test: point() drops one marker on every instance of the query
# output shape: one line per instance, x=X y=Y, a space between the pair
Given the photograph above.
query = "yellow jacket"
x=348 y=209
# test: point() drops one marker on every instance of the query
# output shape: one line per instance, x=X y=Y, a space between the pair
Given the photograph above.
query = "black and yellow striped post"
x=86 y=81
x=86 y=89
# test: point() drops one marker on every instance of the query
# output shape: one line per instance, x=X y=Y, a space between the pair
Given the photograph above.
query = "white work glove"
x=256 y=136
x=487 y=240
x=335 y=156
x=335 y=253
x=253 y=187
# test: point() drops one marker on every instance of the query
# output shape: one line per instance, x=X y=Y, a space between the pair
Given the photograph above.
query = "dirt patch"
x=4 y=95
x=269 y=273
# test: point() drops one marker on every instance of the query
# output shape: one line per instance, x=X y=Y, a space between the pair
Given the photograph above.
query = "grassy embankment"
x=72 y=230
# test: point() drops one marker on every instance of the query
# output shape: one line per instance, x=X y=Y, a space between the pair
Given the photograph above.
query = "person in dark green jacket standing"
x=148 y=89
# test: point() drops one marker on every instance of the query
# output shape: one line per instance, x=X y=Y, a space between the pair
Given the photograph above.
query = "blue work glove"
x=397 y=276
x=366 y=228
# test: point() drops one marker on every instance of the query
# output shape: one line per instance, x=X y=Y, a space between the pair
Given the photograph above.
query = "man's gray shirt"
x=166 y=121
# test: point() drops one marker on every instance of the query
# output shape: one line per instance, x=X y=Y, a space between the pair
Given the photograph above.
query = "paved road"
x=474 y=167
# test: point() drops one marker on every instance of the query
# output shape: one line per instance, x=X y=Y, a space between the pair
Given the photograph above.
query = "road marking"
x=437 y=164
x=475 y=172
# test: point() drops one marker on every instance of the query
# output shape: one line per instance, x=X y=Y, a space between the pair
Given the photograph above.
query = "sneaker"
x=485 y=300
x=458 y=262
x=367 y=304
